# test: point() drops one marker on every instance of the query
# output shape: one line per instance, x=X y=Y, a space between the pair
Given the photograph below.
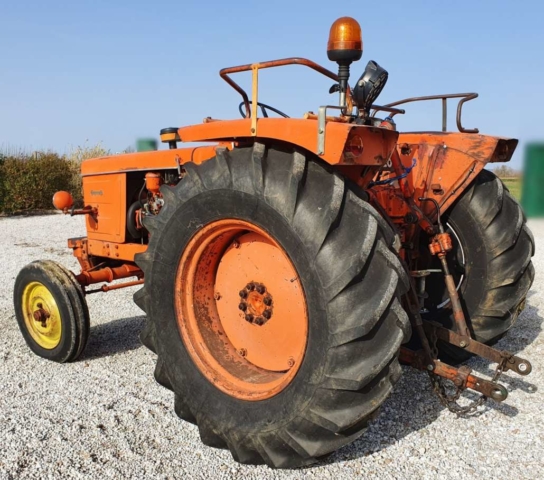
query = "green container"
x=146 y=144
x=532 y=197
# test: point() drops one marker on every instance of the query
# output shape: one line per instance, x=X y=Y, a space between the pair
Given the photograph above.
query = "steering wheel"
x=264 y=109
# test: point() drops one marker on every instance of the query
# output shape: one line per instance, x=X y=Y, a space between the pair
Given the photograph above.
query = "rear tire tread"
x=314 y=202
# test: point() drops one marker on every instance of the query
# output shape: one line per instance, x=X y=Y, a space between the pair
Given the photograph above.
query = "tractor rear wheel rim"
x=42 y=315
x=241 y=309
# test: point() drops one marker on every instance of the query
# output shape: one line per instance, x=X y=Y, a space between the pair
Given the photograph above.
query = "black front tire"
x=70 y=300
x=340 y=247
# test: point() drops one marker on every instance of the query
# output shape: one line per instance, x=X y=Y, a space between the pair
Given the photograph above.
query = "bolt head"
x=217 y=296
x=267 y=301
x=522 y=367
x=249 y=318
x=250 y=287
x=259 y=321
x=242 y=352
x=267 y=314
x=462 y=344
x=430 y=367
x=243 y=294
x=291 y=362
x=261 y=289
x=242 y=307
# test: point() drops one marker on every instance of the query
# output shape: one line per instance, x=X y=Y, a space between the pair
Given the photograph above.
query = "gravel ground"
x=105 y=417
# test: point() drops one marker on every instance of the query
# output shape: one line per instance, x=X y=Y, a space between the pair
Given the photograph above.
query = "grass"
x=514 y=185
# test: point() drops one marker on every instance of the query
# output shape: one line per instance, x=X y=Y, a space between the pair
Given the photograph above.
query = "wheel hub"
x=41 y=315
x=256 y=303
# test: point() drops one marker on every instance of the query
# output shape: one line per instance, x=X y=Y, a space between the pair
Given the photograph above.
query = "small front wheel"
x=51 y=311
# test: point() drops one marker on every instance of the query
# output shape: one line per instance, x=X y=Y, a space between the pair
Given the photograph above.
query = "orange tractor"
x=284 y=264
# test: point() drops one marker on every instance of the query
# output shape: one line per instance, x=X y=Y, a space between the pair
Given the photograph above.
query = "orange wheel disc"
x=241 y=309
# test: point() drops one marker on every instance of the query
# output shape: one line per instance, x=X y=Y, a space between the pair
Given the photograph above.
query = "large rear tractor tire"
x=272 y=298
x=491 y=263
x=51 y=311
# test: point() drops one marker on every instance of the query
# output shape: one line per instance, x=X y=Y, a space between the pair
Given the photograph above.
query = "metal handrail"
x=225 y=72
x=465 y=97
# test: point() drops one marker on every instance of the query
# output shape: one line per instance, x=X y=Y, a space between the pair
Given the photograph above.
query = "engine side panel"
x=106 y=193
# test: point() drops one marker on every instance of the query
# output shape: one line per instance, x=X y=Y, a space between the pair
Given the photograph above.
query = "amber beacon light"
x=345 y=46
x=345 y=41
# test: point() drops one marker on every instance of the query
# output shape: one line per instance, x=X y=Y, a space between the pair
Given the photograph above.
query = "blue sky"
x=111 y=71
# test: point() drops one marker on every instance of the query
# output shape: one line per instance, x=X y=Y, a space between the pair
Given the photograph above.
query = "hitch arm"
x=461 y=377
x=516 y=364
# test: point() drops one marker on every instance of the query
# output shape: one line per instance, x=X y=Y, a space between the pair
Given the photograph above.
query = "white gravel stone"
x=105 y=417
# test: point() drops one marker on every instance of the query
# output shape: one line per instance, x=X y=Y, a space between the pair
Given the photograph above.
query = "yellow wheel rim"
x=42 y=316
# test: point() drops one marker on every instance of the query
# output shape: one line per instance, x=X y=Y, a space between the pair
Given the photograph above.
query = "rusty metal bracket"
x=514 y=363
x=322 y=125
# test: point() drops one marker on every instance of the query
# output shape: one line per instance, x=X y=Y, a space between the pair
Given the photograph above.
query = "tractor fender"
x=447 y=163
x=372 y=145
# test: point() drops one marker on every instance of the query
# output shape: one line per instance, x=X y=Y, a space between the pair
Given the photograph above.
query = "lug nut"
x=267 y=301
x=250 y=286
x=267 y=314
x=249 y=318
x=242 y=307
x=259 y=321
x=261 y=289
x=243 y=293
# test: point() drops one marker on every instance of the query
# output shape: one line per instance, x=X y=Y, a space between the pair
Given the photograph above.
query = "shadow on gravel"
x=413 y=405
x=114 y=337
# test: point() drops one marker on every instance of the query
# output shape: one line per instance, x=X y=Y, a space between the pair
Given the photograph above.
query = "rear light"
x=353 y=149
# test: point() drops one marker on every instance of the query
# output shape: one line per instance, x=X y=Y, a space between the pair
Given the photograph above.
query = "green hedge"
x=28 y=182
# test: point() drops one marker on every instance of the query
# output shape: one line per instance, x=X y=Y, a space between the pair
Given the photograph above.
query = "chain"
x=450 y=400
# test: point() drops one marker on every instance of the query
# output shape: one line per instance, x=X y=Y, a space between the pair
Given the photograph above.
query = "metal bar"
x=254 y=99
x=444 y=114
x=225 y=72
x=460 y=112
x=107 y=288
x=380 y=108
x=465 y=97
x=458 y=314
x=108 y=274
